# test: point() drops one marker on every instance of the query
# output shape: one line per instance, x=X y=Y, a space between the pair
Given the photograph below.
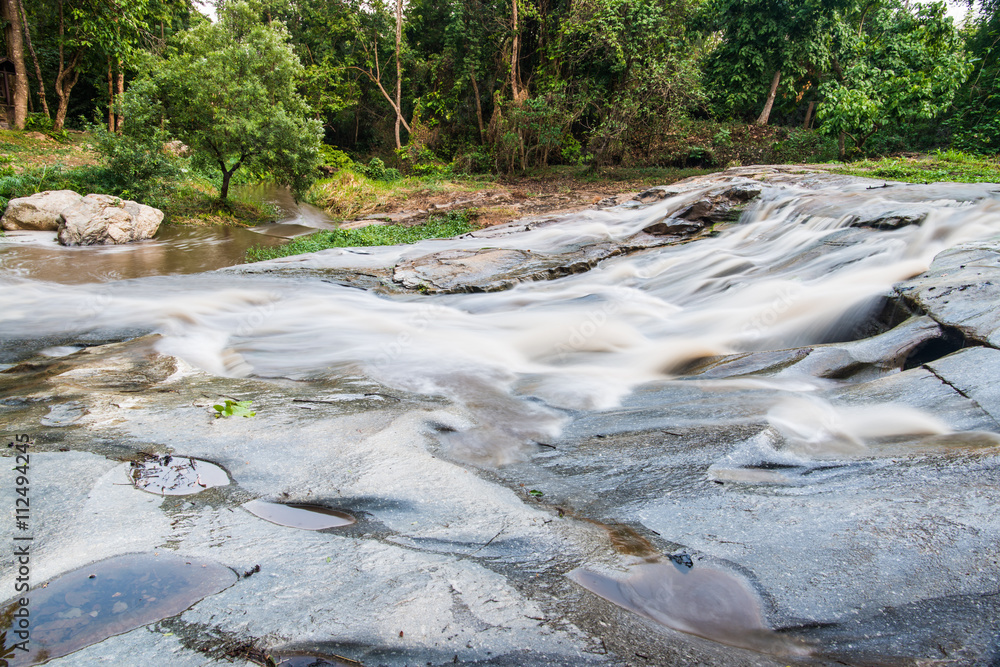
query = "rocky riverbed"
x=747 y=419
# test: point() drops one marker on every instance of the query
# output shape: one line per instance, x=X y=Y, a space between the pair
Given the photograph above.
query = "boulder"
x=39 y=212
x=98 y=219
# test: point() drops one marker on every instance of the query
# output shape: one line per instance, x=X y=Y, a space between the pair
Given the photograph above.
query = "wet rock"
x=40 y=212
x=674 y=227
x=101 y=219
x=63 y=414
x=652 y=195
x=492 y=269
x=961 y=290
x=973 y=373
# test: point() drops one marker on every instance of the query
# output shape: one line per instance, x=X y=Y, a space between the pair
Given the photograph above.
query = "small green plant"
x=535 y=493
x=234 y=409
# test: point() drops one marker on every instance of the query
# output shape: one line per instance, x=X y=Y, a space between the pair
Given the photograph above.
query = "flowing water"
x=791 y=273
x=535 y=362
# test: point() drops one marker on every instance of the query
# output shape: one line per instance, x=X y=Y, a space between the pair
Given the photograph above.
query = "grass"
x=950 y=165
x=436 y=227
x=28 y=152
x=55 y=177
x=350 y=195
x=196 y=202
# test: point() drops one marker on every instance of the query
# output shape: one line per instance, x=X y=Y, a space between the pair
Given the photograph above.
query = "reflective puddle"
x=693 y=599
x=309 y=660
x=299 y=515
x=110 y=597
x=175 y=475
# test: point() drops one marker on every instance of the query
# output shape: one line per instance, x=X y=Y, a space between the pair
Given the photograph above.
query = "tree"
x=373 y=68
x=977 y=121
x=903 y=66
x=34 y=58
x=13 y=30
x=114 y=27
x=230 y=95
x=764 y=43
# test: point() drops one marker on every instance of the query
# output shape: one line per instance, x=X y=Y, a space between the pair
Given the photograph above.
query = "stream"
x=757 y=405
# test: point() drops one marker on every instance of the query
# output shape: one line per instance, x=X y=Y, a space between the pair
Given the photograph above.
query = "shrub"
x=334 y=157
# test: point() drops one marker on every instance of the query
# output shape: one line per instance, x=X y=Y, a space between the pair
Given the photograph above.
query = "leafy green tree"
x=229 y=93
x=976 y=123
x=766 y=47
x=113 y=27
x=902 y=66
x=634 y=67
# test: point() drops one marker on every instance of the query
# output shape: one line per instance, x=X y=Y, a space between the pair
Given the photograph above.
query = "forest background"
x=294 y=90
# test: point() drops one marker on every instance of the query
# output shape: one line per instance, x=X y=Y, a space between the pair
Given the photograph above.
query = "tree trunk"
x=67 y=76
x=15 y=47
x=226 y=176
x=841 y=140
x=119 y=91
x=399 y=69
x=479 y=107
x=38 y=69
x=515 y=58
x=766 y=113
x=111 y=98
x=809 y=115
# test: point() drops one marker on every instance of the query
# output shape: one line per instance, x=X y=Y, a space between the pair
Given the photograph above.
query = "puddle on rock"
x=176 y=476
x=309 y=660
x=697 y=600
x=299 y=515
x=108 y=598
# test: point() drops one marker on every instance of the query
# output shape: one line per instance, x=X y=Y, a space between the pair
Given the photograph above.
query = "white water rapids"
x=782 y=277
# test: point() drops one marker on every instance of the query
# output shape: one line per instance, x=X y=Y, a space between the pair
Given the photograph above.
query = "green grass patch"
x=642 y=175
x=347 y=194
x=196 y=202
x=436 y=227
x=949 y=166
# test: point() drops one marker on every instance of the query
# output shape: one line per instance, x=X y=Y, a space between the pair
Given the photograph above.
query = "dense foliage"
x=429 y=86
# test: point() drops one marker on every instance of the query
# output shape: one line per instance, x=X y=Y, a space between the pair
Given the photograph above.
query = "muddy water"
x=175 y=250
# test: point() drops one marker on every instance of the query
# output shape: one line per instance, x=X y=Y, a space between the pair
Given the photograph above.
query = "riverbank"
x=32 y=161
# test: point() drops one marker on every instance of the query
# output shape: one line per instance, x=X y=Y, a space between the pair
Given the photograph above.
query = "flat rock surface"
x=778 y=405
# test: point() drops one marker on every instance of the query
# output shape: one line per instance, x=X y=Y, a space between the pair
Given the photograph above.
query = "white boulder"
x=39 y=212
x=98 y=219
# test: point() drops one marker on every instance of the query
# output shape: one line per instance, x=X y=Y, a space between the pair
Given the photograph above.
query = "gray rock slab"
x=973 y=372
x=961 y=290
